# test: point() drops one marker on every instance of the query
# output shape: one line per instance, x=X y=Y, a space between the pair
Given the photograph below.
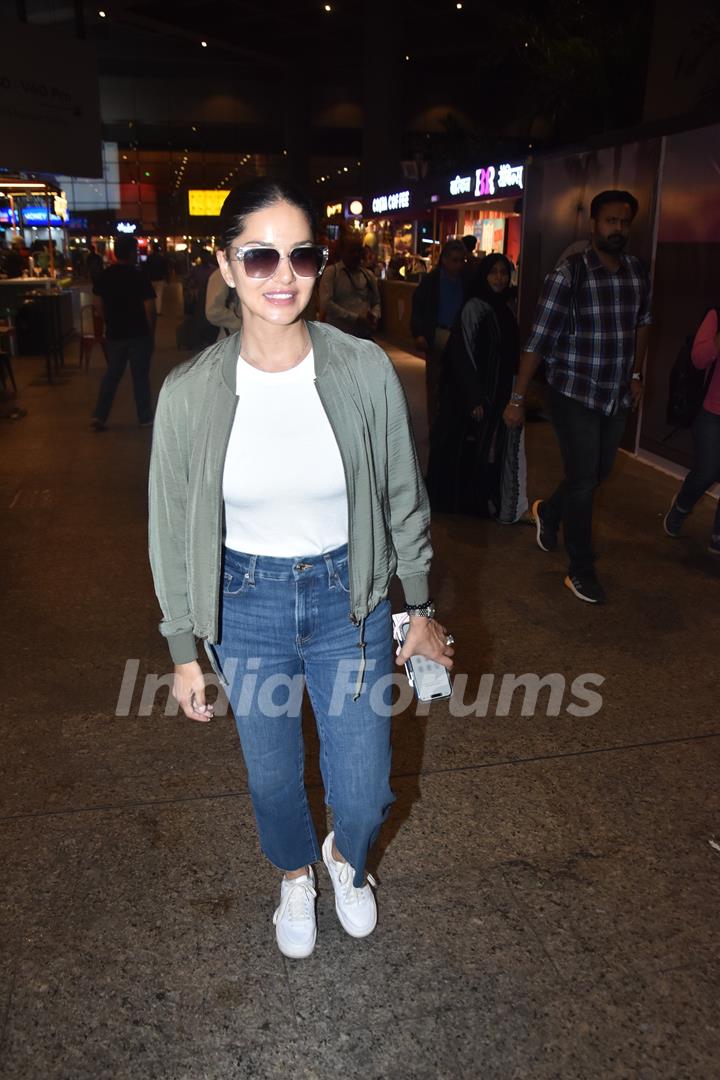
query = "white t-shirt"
x=283 y=483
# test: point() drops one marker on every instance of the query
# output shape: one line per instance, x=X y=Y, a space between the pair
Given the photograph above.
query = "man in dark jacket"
x=436 y=304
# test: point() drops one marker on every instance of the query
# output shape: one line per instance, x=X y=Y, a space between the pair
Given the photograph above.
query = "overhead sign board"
x=389 y=204
x=487 y=182
x=202 y=203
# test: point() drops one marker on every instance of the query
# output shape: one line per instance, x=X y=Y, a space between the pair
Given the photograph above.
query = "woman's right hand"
x=189 y=692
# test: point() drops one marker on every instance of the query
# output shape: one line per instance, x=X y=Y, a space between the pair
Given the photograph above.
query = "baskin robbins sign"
x=487 y=182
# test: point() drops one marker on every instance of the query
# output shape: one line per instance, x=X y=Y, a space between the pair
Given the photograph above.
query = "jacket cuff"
x=183 y=649
x=416 y=588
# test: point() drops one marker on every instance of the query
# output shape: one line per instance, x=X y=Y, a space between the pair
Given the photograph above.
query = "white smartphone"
x=429 y=680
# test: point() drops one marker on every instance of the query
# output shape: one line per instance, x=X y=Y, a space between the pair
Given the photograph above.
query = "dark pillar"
x=382 y=131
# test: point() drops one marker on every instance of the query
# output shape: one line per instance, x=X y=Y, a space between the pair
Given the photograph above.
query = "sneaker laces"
x=352 y=894
x=298 y=898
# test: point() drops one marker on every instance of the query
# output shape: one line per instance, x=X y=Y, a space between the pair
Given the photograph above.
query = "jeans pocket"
x=233 y=584
x=342 y=575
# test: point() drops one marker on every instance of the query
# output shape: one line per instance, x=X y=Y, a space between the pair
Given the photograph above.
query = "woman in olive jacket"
x=284 y=495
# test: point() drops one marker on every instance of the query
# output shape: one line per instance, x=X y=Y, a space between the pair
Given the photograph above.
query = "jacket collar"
x=232 y=345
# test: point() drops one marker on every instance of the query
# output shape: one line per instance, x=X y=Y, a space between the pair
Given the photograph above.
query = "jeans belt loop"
x=330 y=566
x=250 y=572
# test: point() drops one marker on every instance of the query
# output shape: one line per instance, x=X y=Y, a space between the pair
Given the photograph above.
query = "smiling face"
x=281 y=298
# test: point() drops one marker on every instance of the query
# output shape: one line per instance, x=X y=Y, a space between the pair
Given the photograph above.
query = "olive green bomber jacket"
x=388 y=510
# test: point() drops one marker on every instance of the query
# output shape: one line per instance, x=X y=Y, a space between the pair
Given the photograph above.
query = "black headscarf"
x=500 y=303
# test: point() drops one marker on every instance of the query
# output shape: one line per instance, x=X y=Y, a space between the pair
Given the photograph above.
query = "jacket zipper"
x=349 y=488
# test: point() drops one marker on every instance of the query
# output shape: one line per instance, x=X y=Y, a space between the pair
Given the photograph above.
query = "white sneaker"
x=356 y=908
x=294 y=920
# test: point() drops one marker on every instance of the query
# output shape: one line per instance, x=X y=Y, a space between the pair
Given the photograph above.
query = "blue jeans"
x=285 y=626
x=138 y=352
x=706 y=470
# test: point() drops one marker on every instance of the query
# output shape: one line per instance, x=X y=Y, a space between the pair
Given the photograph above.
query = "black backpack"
x=687 y=386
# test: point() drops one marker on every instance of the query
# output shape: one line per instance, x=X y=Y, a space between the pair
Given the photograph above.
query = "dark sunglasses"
x=262 y=262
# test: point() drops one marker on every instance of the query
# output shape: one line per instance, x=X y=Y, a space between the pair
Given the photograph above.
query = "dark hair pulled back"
x=258 y=194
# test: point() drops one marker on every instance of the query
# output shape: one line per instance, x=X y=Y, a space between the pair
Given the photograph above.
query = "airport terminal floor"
x=549 y=876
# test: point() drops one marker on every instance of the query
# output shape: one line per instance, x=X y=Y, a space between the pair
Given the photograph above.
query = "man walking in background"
x=436 y=304
x=591 y=328
x=125 y=299
x=349 y=297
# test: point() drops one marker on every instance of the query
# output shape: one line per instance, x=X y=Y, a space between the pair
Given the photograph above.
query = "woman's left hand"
x=514 y=415
x=426 y=637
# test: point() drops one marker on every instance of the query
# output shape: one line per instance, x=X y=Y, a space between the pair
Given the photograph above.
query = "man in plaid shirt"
x=591 y=329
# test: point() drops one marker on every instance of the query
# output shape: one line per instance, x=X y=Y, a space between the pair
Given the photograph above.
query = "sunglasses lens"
x=307 y=261
x=261 y=262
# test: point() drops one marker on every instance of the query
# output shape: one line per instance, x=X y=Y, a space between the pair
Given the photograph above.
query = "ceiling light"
x=101 y=14
x=204 y=44
x=459 y=7
x=345 y=169
x=407 y=57
x=328 y=7
x=34 y=184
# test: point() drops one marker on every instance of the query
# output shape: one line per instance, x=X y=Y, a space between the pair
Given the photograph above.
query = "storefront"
x=485 y=202
x=398 y=226
x=34 y=220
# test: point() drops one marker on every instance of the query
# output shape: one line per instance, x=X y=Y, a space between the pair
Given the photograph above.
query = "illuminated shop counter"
x=396 y=299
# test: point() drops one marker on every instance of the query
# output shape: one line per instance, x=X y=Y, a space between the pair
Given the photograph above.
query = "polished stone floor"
x=548 y=887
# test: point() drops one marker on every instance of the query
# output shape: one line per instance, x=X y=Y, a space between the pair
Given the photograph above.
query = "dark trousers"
x=138 y=353
x=433 y=373
x=589 y=442
x=706 y=470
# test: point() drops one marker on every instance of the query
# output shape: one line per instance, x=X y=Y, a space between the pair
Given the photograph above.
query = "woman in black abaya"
x=477 y=465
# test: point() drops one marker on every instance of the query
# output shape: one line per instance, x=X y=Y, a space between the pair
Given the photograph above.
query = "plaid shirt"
x=589 y=352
